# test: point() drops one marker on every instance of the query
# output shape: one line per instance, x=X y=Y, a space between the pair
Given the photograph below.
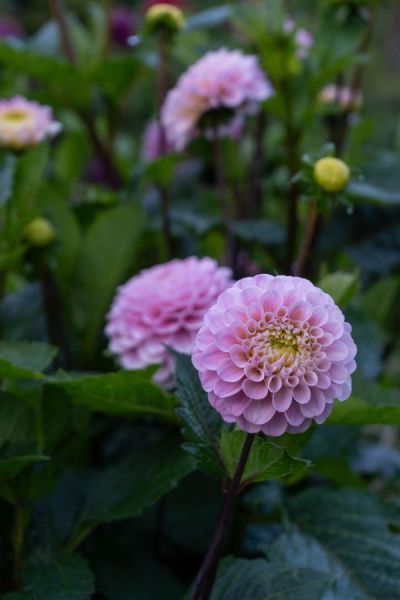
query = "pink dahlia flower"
x=154 y=144
x=24 y=123
x=273 y=354
x=224 y=79
x=163 y=306
x=344 y=97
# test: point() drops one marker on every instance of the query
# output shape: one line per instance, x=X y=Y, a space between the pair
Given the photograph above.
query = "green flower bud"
x=164 y=17
x=331 y=174
x=40 y=232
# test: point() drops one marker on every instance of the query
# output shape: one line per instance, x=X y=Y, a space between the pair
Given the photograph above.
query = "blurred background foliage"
x=77 y=452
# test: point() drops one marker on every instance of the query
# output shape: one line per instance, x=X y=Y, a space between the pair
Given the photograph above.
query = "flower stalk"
x=205 y=579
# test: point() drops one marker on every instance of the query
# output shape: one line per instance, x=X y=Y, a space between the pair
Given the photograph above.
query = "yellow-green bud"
x=331 y=174
x=164 y=16
x=40 y=232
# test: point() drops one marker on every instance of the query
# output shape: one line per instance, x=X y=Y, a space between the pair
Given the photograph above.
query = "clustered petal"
x=24 y=123
x=163 y=306
x=273 y=355
x=223 y=79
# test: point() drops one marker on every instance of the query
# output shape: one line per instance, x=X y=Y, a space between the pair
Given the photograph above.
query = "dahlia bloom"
x=224 y=80
x=24 y=123
x=344 y=97
x=273 y=354
x=153 y=144
x=163 y=306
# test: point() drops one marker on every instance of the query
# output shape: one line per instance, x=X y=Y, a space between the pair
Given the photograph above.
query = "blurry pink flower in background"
x=10 y=28
x=123 y=25
x=221 y=80
x=154 y=144
x=163 y=306
x=24 y=123
x=342 y=96
x=273 y=355
x=304 y=39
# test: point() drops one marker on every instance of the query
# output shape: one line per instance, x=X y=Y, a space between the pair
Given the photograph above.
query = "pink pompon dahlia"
x=224 y=80
x=24 y=123
x=274 y=353
x=344 y=97
x=163 y=306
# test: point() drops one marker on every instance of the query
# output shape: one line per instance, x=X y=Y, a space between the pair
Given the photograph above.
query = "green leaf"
x=263 y=232
x=260 y=580
x=18 y=596
x=7 y=174
x=19 y=447
x=302 y=552
x=10 y=467
x=370 y=403
x=202 y=423
x=106 y=256
x=122 y=393
x=367 y=192
x=354 y=528
x=24 y=360
x=61 y=80
x=212 y=17
x=143 y=578
x=267 y=461
x=341 y=286
x=68 y=579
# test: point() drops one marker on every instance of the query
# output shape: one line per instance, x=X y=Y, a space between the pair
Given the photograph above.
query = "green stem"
x=205 y=579
x=20 y=521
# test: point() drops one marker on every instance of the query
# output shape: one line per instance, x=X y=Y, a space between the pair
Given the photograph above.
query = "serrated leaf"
x=341 y=286
x=202 y=423
x=267 y=461
x=86 y=498
x=24 y=360
x=300 y=551
x=68 y=579
x=354 y=528
x=106 y=256
x=122 y=393
x=261 y=580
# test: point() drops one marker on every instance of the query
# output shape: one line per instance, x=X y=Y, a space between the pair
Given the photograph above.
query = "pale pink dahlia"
x=163 y=306
x=224 y=79
x=344 y=97
x=24 y=123
x=274 y=353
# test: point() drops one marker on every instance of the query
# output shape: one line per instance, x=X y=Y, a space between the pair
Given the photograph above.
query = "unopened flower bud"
x=40 y=232
x=164 y=16
x=331 y=174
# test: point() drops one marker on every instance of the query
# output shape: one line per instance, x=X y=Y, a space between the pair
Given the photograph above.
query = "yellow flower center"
x=331 y=174
x=162 y=12
x=15 y=116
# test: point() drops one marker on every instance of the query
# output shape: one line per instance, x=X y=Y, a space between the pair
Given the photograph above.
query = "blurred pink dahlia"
x=344 y=97
x=24 y=123
x=274 y=353
x=224 y=80
x=163 y=306
x=154 y=144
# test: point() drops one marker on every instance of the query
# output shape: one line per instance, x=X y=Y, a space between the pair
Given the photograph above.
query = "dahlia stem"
x=162 y=88
x=205 y=579
x=224 y=200
x=114 y=179
x=300 y=269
